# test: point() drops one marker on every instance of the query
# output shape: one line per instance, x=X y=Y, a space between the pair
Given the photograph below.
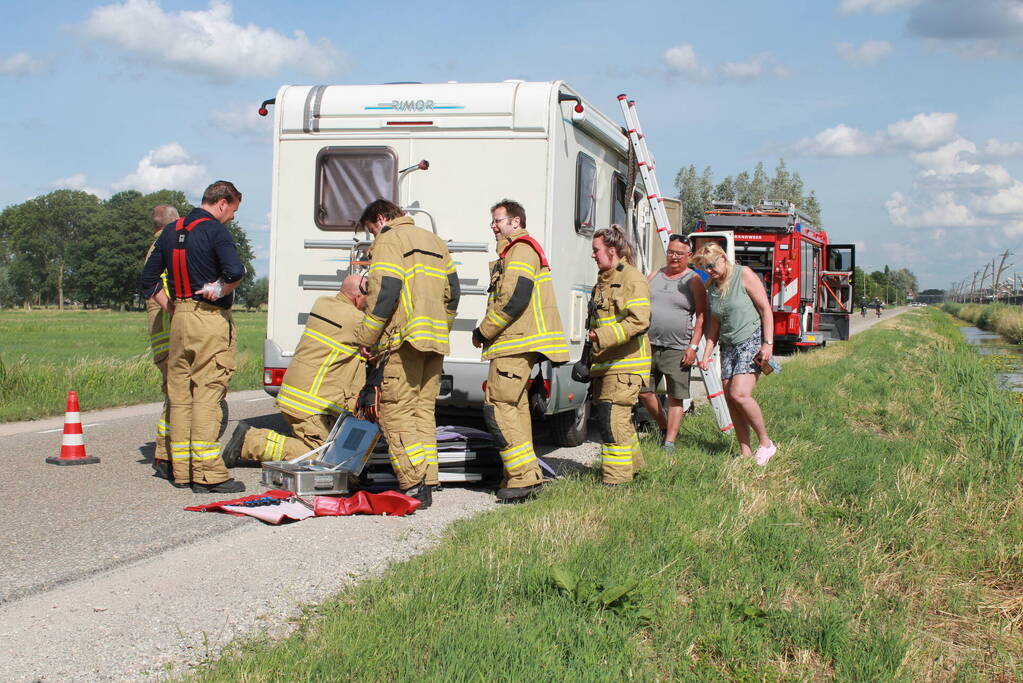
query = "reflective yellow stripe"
x=549 y=340
x=305 y=402
x=346 y=349
x=387 y=268
x=429 y=271
x=514 y=458
x=372 y=322
x=274 y=449
x=321 y=372
x=641 y=301
x=637 y=362
x=496 y=318
x=521 y=267
x=415 y=453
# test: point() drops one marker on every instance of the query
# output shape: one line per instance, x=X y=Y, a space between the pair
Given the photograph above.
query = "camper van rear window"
x=349 y=178
x=585 y=194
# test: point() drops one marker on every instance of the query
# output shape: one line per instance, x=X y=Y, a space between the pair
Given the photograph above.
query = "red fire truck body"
x=808 y=279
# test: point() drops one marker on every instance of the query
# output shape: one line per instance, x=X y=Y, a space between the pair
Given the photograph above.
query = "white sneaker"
x=764 y=453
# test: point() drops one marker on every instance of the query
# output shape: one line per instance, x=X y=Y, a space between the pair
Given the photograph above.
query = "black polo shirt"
x=210 y=255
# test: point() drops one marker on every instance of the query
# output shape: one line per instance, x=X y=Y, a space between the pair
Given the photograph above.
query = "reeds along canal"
x=1004 y=357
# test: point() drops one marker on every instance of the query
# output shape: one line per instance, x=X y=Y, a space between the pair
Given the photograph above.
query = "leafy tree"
x=742 y=189
x=725 y=190
x=812 y=208
x=759 y=186
x=781 y=184
x=688 y=185
x=258 y=294
x=46 y=235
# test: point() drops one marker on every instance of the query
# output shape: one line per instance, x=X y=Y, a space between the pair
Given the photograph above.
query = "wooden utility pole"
x=998 y=275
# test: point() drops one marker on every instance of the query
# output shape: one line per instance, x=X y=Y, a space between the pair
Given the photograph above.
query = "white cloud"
x=874 y=6
x=940 y=209
x=21 y=64
x=922 y=132
x=681 y=60
x=167 y=167
x=207 y=42
x=838 y=141
x=870 y=52
x=243 y=120
x=79 y=181
x=997 y=149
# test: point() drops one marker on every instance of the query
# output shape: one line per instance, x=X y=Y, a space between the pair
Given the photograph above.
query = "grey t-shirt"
x=671 y=310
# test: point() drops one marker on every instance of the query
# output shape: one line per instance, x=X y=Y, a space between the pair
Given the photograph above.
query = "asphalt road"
x=104 y=576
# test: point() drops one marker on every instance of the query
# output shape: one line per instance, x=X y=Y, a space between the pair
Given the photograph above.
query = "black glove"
x=478 y=338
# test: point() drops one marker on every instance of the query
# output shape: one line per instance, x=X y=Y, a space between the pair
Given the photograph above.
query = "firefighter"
x=159 y=342
x=412 y=300
x=520 y=328
x=618 y=321
x=323 y=378
x=204 y=268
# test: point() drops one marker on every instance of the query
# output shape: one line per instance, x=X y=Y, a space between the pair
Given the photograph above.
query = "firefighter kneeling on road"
x=618 y=321
x=323 y=378
x=413 y=297
x=520 y=328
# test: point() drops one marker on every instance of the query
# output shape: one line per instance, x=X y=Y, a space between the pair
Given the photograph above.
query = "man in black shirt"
x=204 y=269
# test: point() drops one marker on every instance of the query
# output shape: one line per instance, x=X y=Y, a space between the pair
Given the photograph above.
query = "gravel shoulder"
x=129 y=586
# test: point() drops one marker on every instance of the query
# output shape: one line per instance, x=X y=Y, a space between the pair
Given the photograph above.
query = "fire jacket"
x=522 y=313
x=159 y=319
x=413 y=290
x=327 y=371
x=620 y=315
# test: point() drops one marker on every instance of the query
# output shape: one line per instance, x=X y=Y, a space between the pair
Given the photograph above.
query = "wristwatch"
x=694 y=347
x=769 y=343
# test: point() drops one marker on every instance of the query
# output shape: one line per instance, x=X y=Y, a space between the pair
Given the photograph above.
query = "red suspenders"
x=179 y=262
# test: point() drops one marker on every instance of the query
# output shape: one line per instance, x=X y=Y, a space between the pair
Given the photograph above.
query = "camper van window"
x=585 y=194
x=349 y=178
x=618 y=212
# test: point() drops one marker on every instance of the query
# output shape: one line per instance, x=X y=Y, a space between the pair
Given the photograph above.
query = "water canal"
x=1005 y=358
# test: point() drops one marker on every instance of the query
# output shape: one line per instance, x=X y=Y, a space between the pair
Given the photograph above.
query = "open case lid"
x=352 y=440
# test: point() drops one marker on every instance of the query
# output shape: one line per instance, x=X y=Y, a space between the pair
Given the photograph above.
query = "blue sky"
x=903 y=115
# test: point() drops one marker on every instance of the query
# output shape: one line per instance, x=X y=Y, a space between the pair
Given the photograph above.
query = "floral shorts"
x=738 y=359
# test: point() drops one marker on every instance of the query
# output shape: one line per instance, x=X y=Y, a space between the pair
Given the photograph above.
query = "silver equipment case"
x=345 y=454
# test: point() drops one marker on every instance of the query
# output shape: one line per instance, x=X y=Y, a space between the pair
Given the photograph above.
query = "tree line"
x=70 y=246
x=890 y=286
x=696 y=191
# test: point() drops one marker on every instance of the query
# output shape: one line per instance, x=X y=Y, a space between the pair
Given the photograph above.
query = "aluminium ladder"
x=711 y=376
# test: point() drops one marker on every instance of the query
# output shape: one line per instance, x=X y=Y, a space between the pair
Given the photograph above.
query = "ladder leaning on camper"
x=712 y=375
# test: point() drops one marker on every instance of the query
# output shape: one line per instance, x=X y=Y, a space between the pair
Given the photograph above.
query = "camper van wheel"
x=570 y=428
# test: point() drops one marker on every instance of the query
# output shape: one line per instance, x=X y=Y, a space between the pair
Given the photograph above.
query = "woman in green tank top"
x=742 y=320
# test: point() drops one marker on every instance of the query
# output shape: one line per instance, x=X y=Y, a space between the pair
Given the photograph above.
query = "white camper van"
x=336 y=148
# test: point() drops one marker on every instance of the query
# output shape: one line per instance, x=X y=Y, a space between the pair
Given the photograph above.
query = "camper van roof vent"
x=404 y=83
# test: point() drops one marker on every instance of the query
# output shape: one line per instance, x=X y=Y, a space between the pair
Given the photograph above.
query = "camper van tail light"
x=484 y=386
x=578 y=109
x=272 y=377
x=410 y=123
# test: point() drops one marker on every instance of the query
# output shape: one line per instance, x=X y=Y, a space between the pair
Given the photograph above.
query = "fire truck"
x=808 y=279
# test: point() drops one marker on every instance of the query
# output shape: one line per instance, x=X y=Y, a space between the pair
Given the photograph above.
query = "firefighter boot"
x=421 y=492
x=233 y=450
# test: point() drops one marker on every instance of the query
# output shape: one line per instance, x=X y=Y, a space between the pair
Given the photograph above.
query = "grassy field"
x=103 y=355
x=884 y=542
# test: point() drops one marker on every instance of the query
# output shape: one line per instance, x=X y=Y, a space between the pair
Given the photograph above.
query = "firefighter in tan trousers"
x=413 y=297
x=520 y=328
x=323 y=378
x=619 y=318
x=202 y=261
x=159 y=342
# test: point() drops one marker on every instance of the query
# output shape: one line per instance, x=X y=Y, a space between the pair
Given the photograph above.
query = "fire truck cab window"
x=349 y=178
x=839 y=259
x=585 y=194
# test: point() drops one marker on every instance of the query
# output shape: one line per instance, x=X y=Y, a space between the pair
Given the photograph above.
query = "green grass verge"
x=882 y=543
x=103 y=355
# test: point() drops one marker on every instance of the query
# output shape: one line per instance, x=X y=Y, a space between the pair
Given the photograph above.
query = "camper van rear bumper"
x=467 y=378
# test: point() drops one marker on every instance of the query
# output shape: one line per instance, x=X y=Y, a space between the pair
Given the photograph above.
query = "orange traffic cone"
x=72 y=448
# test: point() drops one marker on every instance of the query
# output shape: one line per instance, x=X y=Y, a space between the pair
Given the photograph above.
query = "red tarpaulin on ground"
x=390 y=503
